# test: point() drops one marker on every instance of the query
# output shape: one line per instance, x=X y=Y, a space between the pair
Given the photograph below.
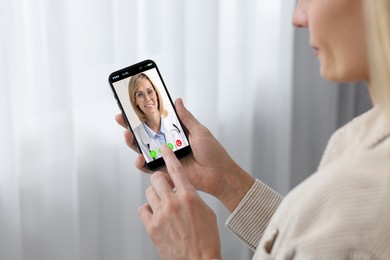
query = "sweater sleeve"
x=251 y=217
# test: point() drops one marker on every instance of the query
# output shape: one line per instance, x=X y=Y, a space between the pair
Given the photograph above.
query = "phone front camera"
x=140 y=68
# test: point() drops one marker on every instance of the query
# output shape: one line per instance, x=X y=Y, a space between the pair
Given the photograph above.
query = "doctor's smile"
x=150 y=107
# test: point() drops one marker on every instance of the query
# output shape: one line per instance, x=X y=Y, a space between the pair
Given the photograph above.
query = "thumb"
x=188 y=120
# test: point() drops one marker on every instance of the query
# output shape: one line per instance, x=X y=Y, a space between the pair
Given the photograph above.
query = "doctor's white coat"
x=173 y=135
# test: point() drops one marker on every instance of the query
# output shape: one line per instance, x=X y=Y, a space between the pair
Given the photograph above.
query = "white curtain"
x=68 y=187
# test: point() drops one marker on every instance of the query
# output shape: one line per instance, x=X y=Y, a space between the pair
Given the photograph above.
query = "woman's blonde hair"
x=378 y=18
x=133 y=86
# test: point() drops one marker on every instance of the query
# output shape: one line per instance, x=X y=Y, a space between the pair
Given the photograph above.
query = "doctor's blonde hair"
x=378 y=20
x=133 y=86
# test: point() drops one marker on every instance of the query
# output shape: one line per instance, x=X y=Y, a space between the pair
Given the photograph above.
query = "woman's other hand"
x=179 y=223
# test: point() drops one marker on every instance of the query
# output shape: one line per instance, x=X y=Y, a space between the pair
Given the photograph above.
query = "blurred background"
x=68 y=185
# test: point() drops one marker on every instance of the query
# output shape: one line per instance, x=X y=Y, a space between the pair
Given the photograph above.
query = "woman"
x=342 y=211
x=157 y=126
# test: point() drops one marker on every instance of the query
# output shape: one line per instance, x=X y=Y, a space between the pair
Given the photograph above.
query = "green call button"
x=153 y=154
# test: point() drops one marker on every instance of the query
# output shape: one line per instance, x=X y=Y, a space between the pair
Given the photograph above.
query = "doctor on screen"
x=157 y=126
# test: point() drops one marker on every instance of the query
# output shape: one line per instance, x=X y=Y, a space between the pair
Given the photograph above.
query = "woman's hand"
x=179 y=223
x=209 y=168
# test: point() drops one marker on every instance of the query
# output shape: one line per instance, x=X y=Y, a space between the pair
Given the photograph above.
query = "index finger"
x=175 y=169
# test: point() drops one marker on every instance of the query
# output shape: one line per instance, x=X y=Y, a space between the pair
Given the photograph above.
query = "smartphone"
x=149 y=112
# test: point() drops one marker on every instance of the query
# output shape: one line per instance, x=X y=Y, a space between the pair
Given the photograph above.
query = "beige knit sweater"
x=342 y=211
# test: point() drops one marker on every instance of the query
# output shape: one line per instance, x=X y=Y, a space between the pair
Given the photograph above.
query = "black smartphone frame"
x=133 y=70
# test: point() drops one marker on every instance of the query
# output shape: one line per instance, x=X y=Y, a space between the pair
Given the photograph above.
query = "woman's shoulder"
x=351 y=137
x=365 y=170
x=356 y=190
x=343 y=208
x=358 y=212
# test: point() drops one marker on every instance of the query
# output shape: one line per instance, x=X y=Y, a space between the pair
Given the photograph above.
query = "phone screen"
x=149 y=112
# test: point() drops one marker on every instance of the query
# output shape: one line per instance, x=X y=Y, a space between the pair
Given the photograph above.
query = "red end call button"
x=178 y=143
